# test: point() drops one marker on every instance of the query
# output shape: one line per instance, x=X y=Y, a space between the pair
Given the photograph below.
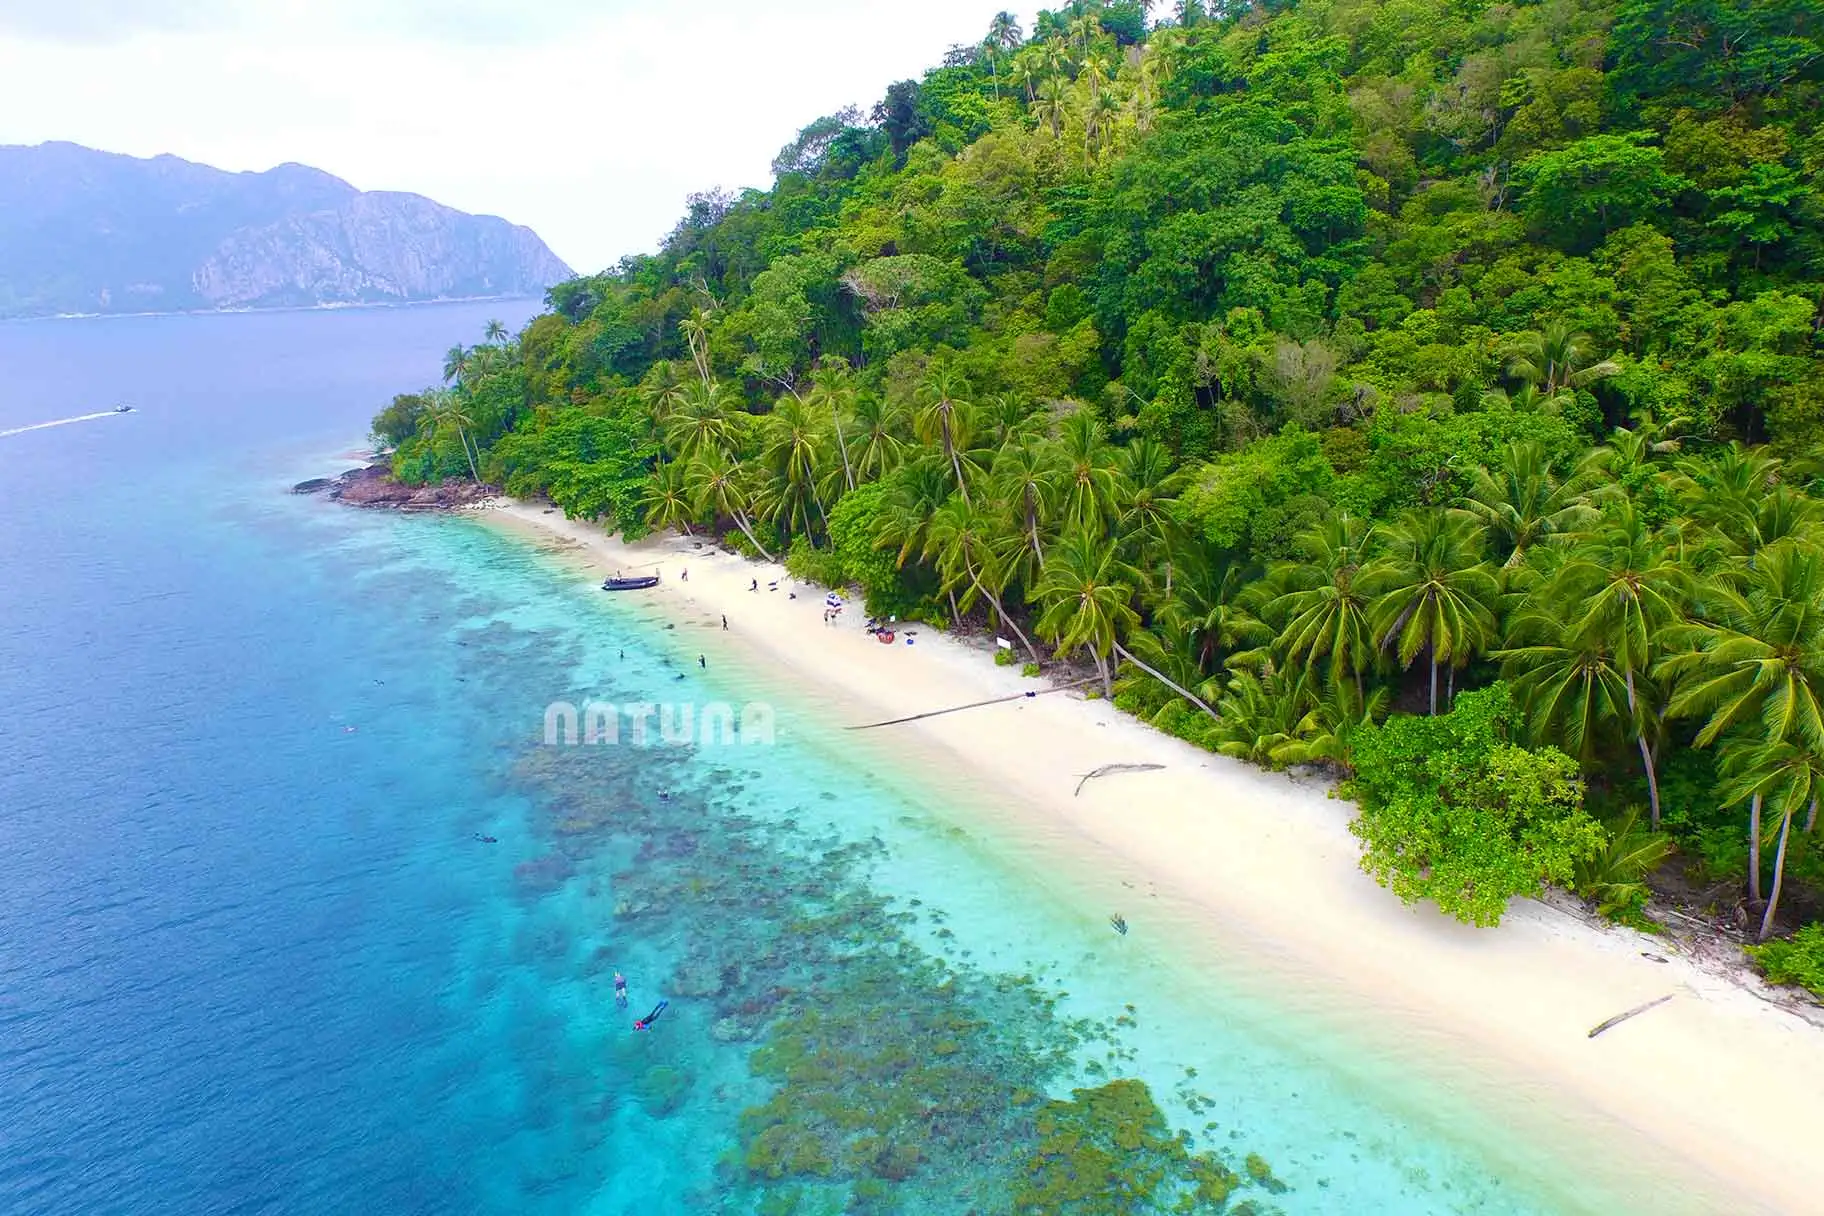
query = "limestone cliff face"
x=87 y=231
x=376 y=247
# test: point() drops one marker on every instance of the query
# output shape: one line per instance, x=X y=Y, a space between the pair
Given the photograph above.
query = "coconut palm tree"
x=720 y=488
x=1620 y=594
x=833 y=391
x=791 y=447
x=960 y=543
x=444 y=412
x=1053 y=99
x=455 y=364
x=1430 y=591
x=494 y=332
x=914 y=494
x=667 y=499
x=698 y=422
x=1260 y=713
x=1522 y=504
x=1086 y=598
x=1786 y=775
x=945 y=415
x=1004 y=37
x=1208 y=606
x=1319 y=603
x=1755 y=666
x=1024 y=480
x=1144 y=495
x=1322 y=735
x=1090 y=478
x=1556 y=359
x=880 y=430
x=1569 y=682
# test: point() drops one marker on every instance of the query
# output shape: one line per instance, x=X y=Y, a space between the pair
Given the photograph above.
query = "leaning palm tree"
x=719 y=487
x=494 y=332
x=1087 y=592
x=914 y=494
x=1431 y=592
x=960 y=543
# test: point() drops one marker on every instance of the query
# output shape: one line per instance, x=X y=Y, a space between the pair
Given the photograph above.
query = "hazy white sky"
x=588 y=121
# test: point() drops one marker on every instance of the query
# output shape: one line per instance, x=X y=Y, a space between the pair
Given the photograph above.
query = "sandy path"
x=1712 y=1102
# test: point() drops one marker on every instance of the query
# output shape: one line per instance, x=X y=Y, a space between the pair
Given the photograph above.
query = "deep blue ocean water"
x=253 y=957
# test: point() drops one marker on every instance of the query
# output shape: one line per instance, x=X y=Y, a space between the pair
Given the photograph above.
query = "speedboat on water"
x=123 y=409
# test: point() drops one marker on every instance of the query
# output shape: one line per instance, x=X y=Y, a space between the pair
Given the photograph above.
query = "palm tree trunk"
x=1646 y=760
x=1000 y=611
x=956 y=618
x=955 y=463
x=1106 y=672
x=1166 y=680
x=747 y=530
x=1431 y=652
x=1754 y=848
x=848 y=474
x=464 y=436
x=1811 y=818
x=1779 y=874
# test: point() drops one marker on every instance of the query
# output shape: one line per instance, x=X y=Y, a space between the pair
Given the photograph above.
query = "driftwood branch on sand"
x=1106 y=769
x=933 y=713
x=1619 y=1018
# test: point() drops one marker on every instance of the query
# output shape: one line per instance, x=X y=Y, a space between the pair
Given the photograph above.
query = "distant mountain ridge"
x=83 y=231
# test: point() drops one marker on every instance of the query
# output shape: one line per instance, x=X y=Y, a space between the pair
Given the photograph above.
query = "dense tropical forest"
x=1426 y=389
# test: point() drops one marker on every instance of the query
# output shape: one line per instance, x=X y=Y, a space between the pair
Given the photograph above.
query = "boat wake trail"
x=39 y=426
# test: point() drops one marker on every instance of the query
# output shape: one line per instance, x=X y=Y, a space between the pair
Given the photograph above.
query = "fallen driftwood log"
x=1106 y=769
x=933 y=713
x=1619 y=1018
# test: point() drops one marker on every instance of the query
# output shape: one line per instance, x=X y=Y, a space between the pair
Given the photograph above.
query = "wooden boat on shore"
x=630 y=584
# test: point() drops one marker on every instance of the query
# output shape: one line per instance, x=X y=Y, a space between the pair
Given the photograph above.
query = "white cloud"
x=588 y=121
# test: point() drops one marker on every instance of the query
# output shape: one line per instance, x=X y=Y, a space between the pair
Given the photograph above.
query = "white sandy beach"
x=1715 y=1099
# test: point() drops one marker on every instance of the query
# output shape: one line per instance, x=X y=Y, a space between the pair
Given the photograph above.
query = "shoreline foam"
x=1707 y=1103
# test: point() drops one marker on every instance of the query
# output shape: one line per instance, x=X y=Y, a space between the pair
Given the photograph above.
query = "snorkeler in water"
x=620 y=991
x=646 y=1022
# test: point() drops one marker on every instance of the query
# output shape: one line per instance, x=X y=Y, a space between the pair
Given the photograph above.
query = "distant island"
x=83 y=231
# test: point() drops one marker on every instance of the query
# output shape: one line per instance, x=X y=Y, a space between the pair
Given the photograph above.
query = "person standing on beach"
x=725 y=620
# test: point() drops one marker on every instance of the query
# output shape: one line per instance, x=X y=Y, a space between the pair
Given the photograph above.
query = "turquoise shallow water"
x=253 y=956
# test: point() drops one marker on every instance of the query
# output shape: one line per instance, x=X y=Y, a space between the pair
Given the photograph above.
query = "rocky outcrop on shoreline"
x=374 y=486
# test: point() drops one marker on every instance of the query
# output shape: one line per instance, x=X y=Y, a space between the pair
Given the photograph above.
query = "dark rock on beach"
x=374 y=486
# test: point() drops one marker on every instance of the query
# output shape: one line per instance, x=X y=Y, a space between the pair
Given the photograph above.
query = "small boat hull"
x=630 y=584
